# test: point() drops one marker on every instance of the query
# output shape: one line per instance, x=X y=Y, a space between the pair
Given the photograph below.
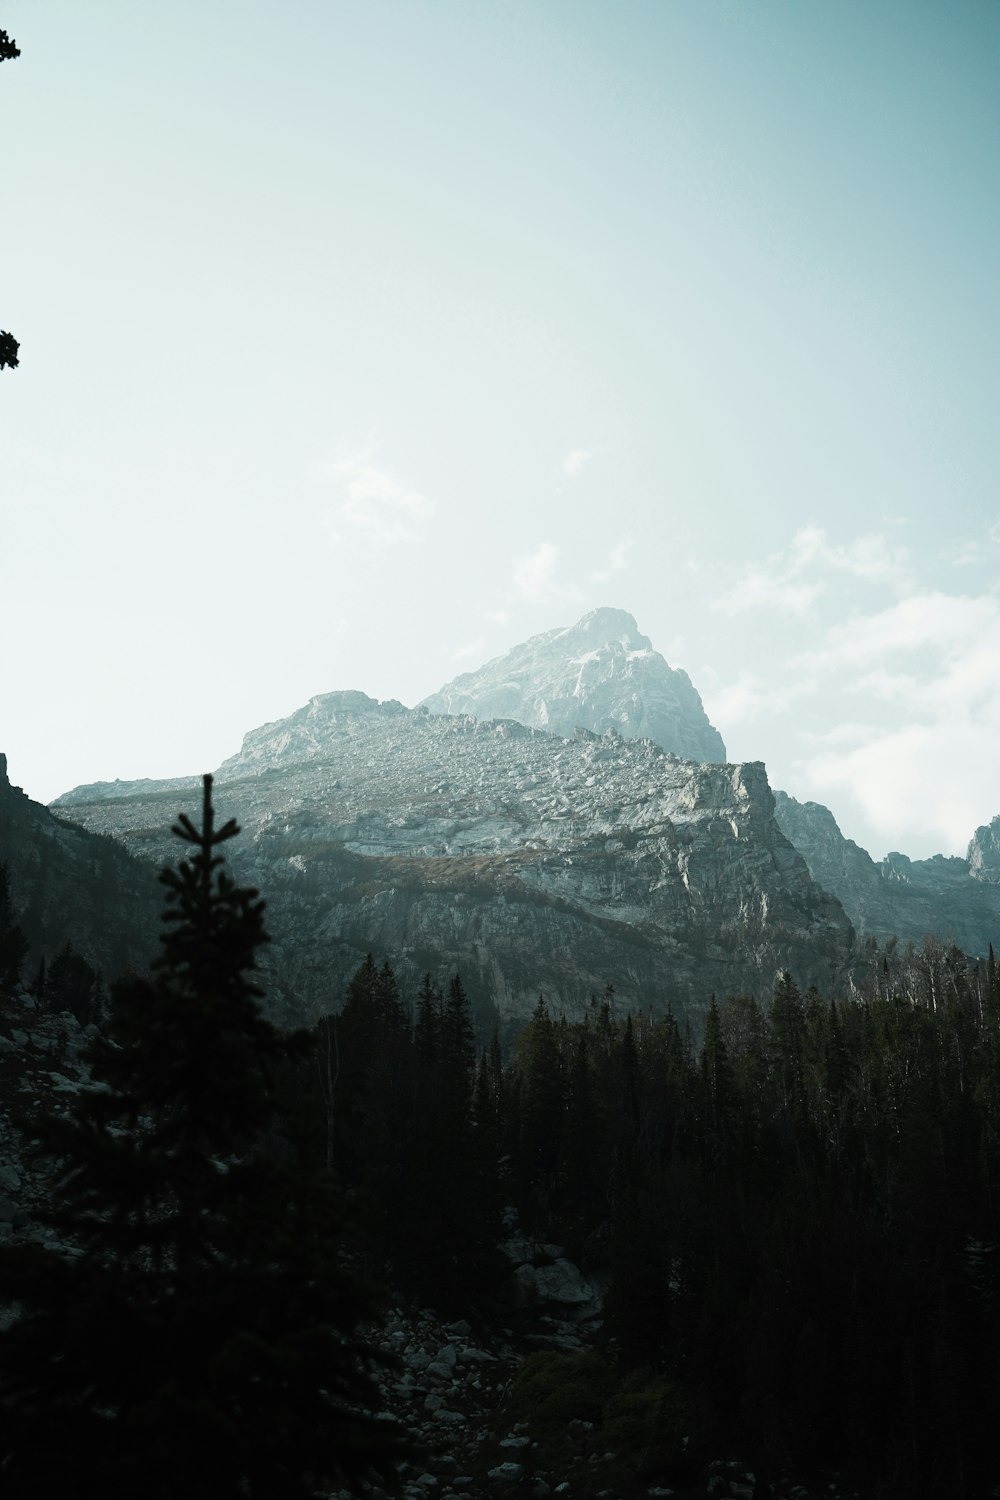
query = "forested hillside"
x=775 y=1236
x=797 y=1212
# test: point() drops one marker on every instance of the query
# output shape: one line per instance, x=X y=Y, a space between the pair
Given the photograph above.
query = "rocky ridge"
x=597 y=674
x=71 y=884
x=957 y=900
x=602 y=673
x=525 y=861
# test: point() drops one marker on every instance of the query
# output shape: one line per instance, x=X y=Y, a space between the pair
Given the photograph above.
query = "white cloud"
x=574 y=463
x=756 y=590
x=533 y=576
x=908 y=780
x=375 y=504
x=793 y=581
x=929 y=668
x=871 y=692
x=739 y=701
x=967 y=554
x=616 y=563
x=976 y=550
x=935 y=624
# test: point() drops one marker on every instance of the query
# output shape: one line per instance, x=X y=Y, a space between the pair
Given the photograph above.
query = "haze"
x=361 y=341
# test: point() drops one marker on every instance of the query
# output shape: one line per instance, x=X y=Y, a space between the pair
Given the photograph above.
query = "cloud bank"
x=375 y=506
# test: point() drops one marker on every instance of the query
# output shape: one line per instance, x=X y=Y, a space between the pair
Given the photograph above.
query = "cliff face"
x=596 y=674
x=957 y=900
x=525 y=861
x=68 y=883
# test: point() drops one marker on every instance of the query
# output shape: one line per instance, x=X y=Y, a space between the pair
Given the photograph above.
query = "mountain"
x=67 y=883
x=597 y=674
x=955 y=899
x=528 y=862
x=601 y=673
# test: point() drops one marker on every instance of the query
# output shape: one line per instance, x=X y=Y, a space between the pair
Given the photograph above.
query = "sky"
x=361 y=341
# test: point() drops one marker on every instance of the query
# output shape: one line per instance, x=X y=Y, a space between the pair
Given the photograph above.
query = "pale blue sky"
x=360 y=341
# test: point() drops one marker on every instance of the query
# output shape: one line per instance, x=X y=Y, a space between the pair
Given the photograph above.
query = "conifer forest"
x=793 y=1218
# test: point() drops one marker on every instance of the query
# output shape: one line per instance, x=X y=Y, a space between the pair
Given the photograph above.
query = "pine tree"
x=71 y=984
x=718 y=1080
x=13 y=944
x=787 y=1027
x=541 y=1116
x=199 y=1339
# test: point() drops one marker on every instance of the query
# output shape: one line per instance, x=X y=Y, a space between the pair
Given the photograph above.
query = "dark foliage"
x=13 y=944
x=802 y=1220
x=199 y=1338
x=410 y=1127
x=71 y=984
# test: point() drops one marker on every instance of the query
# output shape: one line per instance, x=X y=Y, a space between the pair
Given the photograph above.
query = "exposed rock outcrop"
x=524 y=861
x=597 y=674
x=984 y=853
x=955 y=899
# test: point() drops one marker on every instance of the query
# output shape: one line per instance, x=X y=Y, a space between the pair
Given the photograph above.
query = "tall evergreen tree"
x=13 y=944
x=71 y=984
x=199 y=1340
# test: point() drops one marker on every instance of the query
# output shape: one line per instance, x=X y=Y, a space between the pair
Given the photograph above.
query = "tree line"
x=796 y=1212
x=799 y=1211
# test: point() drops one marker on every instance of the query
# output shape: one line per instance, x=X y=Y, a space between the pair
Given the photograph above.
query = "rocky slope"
x=597 y=674
x=525 y=861
x=602 y=673
x=70 y=884
x=955 y=899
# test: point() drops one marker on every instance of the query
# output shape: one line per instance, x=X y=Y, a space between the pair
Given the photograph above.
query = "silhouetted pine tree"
x=200 y=1339
x=449 y=1196
x=71 y=984
x=13 y=944
x=718 y=1079
x=540 y=1116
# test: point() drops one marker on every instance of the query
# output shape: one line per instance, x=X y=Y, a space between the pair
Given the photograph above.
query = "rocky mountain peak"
x=607 y=627
x=984 y=853
x=527 y=862
x=307 y=733
x=598 y=674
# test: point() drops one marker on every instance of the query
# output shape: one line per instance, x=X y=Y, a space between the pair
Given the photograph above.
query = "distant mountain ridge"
x=598 y=674
x=67 y=883
x=955 y=899
x=525 y=861
x=602 y=673
x=574 y=830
